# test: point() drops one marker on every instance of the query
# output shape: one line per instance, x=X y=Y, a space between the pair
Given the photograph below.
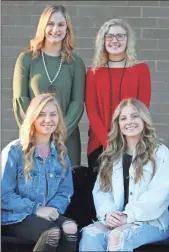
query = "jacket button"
x=51 y=175
x=131 y=193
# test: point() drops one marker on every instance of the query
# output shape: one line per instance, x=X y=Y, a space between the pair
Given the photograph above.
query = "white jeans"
x=97 y=237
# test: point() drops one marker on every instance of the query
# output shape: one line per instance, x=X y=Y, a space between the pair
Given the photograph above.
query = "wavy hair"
x=27 y=131
x=37 y=43
x=101 y=55
x=117 y=145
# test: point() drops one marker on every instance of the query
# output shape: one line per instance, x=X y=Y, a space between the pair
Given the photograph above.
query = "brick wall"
x=150 y=20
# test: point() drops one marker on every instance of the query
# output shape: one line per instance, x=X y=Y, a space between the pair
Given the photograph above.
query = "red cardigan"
x=136 y=83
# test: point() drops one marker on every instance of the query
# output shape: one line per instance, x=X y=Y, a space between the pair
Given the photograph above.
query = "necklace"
x=44 y=64
x=111 y=84
x=117 y=60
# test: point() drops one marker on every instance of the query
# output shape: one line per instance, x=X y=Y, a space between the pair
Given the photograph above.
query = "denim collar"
x=53 y=150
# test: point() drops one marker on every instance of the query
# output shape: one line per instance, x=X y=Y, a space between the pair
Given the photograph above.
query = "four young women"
x=37 y=180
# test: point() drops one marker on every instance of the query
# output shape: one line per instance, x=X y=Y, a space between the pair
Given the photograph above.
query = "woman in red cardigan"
x=115 y=74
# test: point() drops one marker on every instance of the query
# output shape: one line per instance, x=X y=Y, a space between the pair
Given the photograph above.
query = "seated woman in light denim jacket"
x=131 y=193
x=37 y=180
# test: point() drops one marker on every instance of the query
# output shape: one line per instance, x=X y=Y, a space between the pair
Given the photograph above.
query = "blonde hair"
x=101 y=55
x=116 y=144
x=27 y=131
x=37 y=43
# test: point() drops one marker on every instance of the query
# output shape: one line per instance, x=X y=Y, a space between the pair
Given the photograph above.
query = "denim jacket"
x=21 y=198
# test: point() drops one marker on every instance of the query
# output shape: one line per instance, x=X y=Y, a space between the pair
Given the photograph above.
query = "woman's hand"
x=48 y=213
x=115 y=219
x=123 y=219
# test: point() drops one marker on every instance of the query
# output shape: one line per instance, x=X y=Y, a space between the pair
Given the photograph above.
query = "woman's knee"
x=70 y=227
x=93 y=238
x=118 y=238
x=114 y=240
x=93 y=229
x=70 y=231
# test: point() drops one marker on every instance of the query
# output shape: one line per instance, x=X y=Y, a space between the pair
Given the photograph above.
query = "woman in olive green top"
x=49 y=65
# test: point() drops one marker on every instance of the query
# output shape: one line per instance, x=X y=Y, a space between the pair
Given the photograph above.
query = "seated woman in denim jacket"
x=37 y=180
x=131 y=193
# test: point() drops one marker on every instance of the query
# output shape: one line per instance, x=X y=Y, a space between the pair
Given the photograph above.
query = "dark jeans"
x=32 y=228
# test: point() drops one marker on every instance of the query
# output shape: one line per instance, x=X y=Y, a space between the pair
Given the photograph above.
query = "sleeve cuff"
x=36 y=207
x=130 y=217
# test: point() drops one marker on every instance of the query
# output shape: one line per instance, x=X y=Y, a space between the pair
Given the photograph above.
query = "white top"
x=148 y=199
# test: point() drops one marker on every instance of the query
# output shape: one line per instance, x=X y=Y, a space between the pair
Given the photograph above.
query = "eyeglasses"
x=119 y=36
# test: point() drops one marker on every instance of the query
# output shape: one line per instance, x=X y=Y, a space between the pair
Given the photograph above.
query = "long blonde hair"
x=101 y=55
x=27 y=131
x=116 y=144
x=37 y=43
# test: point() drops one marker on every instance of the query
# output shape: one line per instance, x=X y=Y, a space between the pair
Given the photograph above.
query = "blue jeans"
x=97 y=237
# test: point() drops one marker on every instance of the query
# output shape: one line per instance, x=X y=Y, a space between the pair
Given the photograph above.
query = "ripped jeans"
x=98 y=237
x=60 y=235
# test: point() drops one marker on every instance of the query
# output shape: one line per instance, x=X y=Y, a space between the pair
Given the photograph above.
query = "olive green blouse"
x=30 y=79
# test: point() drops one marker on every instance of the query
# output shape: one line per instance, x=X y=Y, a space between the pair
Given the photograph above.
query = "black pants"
x=94 y=164
x=32 y=228
x=94 y=161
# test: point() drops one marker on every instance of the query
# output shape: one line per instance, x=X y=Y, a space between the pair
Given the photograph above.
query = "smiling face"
x=56 y=28
x=47 y=121
x=130 y=123
x=116 y=40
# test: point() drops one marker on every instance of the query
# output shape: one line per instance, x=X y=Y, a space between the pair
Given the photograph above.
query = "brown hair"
x=37 y=43
x=116 y=144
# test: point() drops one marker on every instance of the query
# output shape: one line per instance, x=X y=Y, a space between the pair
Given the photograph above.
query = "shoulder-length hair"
x=37 y=43
x=27 y=131
x=101 y=55
x=116 y=145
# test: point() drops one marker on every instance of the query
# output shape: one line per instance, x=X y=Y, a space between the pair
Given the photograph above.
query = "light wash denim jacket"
x=21 y=198
x=148 y=199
